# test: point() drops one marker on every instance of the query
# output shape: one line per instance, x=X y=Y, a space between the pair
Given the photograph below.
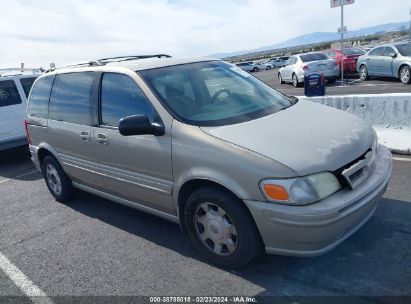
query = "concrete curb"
x=389 y=114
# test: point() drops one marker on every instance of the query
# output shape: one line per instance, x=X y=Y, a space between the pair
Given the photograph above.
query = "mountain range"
x=319 y=37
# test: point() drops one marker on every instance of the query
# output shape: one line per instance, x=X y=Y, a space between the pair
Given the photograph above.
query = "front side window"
x=388 y=51
x=27 y=83
x=70 y=99
x=121 y=97
x=40 y=96
x=213 y=93
x=9 y=95
x=404 y=49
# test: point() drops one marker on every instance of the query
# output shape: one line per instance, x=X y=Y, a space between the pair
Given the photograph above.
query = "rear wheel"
x=268 y=68
x=280 y=78
x=255 y=69
x=56 y=180
x=405 y=74
x=220 y=227
x=332 y=80
x=296 y=84
x=363 y=73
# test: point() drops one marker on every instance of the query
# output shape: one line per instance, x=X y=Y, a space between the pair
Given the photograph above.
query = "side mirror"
x=393 y=55
x=139 y=125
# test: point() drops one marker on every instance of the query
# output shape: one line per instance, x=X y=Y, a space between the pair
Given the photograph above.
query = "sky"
x=66 y=31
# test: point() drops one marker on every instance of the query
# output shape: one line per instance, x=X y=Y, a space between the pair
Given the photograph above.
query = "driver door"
x=136 y=168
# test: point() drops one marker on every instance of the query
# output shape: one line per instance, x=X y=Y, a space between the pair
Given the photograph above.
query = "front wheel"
x=363 y=73
x=268 y=68
x=220 y=227
x=405 y=74
x=255 y=69
x=56 y=179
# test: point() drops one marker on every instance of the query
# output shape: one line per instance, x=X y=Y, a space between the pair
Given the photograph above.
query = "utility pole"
x=342 y=29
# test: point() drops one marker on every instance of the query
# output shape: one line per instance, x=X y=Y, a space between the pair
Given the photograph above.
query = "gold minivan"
x=200 y=142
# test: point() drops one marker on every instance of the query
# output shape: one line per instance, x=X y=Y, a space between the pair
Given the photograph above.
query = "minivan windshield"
x=213 y=93
x=404 y=49
x=313 y=57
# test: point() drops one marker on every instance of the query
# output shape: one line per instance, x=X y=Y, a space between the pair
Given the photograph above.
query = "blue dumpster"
x=314 y=85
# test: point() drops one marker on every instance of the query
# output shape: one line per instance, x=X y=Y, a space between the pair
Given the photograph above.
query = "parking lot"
x=356 y=86
x=93 y=247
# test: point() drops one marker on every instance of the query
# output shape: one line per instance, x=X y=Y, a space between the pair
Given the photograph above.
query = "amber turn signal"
x=276 y=192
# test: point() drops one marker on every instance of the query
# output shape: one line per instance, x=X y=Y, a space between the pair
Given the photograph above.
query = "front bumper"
x=317 y=228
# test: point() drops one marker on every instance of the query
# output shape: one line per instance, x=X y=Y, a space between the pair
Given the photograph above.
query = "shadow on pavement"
x=16 y=162
x=375 y=261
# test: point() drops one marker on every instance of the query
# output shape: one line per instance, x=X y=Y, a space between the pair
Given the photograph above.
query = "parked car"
x=392 y=60
x=350 y=58
x=269 y=65
x=299 y=65
x=14 y=90
x=196 y=141
x=276 y=63
x=249 y=66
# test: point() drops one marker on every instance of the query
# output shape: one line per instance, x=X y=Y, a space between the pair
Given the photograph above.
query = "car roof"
x=134 y=64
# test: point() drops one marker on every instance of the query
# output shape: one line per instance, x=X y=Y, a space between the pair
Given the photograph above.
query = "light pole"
x=409 y=38
x=342 y=43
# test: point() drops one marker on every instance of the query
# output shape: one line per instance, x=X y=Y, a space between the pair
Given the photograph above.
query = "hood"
x=307 y=137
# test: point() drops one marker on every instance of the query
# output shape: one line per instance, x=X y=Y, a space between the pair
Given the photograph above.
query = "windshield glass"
x=404 y=49
x=213 y=93
x=313 y=57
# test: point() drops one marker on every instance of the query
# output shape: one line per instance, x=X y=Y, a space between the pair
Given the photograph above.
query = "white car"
x=14 y=91
x=308 y=63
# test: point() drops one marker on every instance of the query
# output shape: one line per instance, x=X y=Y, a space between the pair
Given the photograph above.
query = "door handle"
x=102 y=138
x=85 y=135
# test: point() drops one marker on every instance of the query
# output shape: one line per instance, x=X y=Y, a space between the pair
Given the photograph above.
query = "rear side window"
x=70 y=99
x=378 y=52
x=9 y=95
x=27 y=83
x=121 y=97
x=40 y=96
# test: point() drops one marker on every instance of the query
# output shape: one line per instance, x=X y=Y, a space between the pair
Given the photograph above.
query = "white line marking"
x=402 y=159
x=18 y=176
x=35 y=294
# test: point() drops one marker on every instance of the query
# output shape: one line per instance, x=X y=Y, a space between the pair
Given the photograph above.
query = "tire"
x=212 y=214
x=363 y=73
x=268 y=68
x=332 y=80
x=295 y=82
x=405 y=74
x=57 y=181
x=281 y=78
x=255 y=69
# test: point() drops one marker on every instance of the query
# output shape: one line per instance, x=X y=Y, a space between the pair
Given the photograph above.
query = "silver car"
x=392 y=60
x=238 y=165
x=300 y=65
x=249 y=66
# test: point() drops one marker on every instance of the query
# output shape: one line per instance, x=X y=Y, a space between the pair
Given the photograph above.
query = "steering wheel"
x=219 y=92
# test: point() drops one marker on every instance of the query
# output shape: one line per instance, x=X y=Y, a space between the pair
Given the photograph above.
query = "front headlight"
x=301 y=190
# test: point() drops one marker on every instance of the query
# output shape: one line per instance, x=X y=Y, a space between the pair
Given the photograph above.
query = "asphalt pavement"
x=93 y=247
x=355 y=85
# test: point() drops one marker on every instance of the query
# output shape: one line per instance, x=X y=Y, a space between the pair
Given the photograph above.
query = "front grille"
x=357 y=171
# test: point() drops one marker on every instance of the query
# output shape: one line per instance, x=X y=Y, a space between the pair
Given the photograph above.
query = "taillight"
x=305 y=67
x=27 y=131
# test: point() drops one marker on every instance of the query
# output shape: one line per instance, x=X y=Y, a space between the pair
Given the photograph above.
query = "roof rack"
x=19 y=71
x=104 y=61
